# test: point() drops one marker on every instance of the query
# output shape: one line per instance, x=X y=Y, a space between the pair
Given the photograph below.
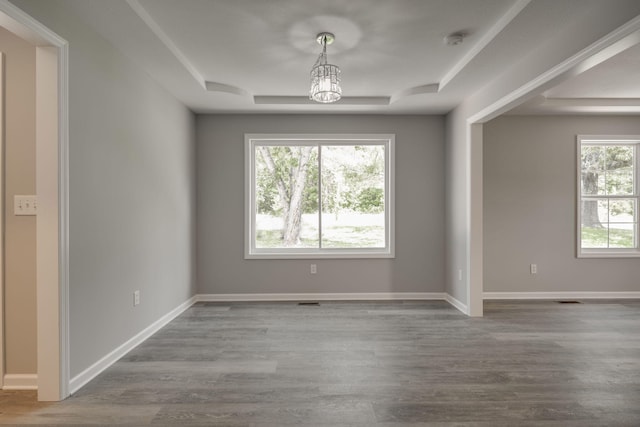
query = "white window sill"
x=611 y=253
x=339 y=254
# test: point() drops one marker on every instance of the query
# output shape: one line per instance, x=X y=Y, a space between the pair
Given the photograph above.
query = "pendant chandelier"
x=325 y=78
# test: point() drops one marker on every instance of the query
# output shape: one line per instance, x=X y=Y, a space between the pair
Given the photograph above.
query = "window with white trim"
x=319 y=196
x=608 y=196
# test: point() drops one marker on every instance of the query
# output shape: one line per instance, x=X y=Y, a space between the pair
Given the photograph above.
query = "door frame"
x=2 y=220
x=52 y=189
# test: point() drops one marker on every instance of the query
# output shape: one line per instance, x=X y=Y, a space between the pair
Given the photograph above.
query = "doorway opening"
x=51 y=154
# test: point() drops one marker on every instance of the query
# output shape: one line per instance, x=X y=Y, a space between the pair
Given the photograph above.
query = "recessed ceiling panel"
x=268 y=47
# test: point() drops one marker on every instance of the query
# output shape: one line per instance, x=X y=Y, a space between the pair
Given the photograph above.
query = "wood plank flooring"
x=362 y=364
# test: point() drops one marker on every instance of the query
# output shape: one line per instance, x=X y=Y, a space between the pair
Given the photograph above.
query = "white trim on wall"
x=94 y=370
x=561 y=295
x=48 y=296
x=456 y=303
x=375 y=296
x=20 y=382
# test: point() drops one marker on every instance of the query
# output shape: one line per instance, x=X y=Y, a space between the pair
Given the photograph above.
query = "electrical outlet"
x=136 y=298
x=534 y=268
x=314 y=269
x=460 y=274
x=25 y=205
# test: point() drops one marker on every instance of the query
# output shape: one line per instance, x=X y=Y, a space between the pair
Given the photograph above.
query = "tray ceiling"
x=255 y=56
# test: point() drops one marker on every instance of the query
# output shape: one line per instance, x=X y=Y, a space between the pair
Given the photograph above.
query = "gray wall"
x=20 y=231
x=419 y=262
x=530 y=206
x=132 y=189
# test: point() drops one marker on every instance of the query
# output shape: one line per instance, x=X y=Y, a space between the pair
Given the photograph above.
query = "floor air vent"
x=309 y=303
x=568 y=302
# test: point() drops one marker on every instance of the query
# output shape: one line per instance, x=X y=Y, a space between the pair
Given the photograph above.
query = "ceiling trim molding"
x=579 y=106
x=591 y=102
x=542 y=105
x=417 y=90
x=345 y=100
x=166 y=40
x=225 y=88
x=493 y=32
x=618 y=40
x=24 y=26
x=304 y=100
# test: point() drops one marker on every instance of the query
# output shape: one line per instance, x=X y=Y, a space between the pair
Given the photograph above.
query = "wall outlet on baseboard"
x=534 y=268
x=460 y=274
x=136 y=298
x=313 y=269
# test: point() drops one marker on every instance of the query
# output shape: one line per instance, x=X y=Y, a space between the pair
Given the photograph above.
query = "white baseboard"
x=561 y=295
x=457 y=304
x=91 y=372
x=20 y=382
x=376 y=296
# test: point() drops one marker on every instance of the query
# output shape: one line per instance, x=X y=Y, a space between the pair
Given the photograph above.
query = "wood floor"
x=368 y=364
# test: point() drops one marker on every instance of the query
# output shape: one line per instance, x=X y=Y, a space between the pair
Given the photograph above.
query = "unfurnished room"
x=320 y=213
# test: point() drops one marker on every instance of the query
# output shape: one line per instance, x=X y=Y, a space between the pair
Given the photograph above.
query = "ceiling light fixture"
x=325 y=78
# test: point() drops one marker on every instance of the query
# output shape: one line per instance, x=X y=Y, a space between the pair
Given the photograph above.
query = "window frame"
x=253 y=140
x=599 y=140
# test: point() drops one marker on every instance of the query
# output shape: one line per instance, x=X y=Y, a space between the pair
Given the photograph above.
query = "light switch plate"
x=25 y=205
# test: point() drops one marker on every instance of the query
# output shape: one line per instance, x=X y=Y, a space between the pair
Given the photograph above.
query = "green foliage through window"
x=313 y=195
x=608 y=195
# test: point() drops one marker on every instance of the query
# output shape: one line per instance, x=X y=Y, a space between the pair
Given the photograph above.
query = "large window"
x=608 y=196
x=319 y=196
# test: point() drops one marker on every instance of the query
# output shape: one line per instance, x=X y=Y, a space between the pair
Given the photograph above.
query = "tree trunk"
x=293 y=225
x=590 y=207
x=282 y=189
x=291 y=192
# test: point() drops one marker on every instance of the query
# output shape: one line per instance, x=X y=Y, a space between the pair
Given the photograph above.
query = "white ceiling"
x=255 y=55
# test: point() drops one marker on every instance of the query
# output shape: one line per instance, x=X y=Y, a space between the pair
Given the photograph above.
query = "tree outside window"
x=319 y=197
x=608 y=196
